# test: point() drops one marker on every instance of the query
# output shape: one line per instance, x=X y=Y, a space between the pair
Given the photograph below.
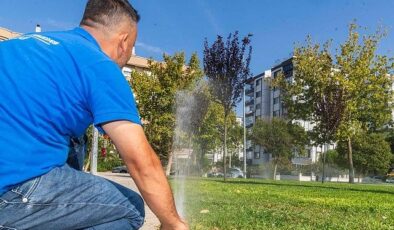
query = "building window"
x=258 y=94
x=248 y=144
x=258 y=106
x=257 y=155
x=249 y=109
x=258 y=82
x=249 y=120
x=276 y=113
x=284 y=112
x=276 y=100
x=277 y=73
x=127 y=72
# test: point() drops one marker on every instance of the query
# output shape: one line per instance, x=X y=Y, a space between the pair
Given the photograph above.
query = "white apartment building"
x=263 y=101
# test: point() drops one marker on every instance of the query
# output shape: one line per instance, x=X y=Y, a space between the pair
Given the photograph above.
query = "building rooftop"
x=285 y=62
x=138 y=61
x=7 y=34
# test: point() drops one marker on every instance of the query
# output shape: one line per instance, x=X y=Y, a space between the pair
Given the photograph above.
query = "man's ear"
x=123 y=45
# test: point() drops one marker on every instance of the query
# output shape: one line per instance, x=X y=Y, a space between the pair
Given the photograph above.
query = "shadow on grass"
x=284 y=184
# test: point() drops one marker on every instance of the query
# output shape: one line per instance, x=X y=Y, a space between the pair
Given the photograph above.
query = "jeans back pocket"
x=6 y=228
x=26 y=188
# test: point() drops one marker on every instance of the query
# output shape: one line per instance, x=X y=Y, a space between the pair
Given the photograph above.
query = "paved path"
x=151 y=221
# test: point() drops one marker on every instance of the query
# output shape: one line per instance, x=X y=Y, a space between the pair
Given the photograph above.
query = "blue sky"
x=182 y=25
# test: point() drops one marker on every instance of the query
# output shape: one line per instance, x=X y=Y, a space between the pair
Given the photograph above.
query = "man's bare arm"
x=146 y=170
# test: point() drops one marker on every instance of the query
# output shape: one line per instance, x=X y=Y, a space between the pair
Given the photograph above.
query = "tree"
x=156 y=96
x=279 y=138
x=226 y=65
x=390 y=140
x=371 y=154
x=235 y=140
x=210 y=136
x=191 y=109
x=340 y=94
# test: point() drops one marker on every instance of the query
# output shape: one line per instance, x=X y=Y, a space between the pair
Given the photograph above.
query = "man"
x=53 y=86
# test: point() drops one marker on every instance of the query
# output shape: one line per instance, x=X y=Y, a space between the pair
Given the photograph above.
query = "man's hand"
x=146 y=170
x=181 y=226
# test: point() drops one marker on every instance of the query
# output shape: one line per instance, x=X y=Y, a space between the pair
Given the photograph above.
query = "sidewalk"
x=151 y=221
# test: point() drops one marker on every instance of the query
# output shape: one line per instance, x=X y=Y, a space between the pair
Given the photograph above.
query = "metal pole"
x=244 y=124
x=324 y=163
x=93 y=159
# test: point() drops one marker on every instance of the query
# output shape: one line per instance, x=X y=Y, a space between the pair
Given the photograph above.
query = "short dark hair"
x=108 y=12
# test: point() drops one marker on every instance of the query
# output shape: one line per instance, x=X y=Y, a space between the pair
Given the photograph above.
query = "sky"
x=183 y=25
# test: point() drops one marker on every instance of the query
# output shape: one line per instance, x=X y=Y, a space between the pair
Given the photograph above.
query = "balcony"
x=301 y=161
x=251 y=102
x=258 y=112
x=249 y=91
x=249 y=111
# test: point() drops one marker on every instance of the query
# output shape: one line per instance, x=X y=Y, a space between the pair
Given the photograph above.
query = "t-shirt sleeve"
x=109 y=96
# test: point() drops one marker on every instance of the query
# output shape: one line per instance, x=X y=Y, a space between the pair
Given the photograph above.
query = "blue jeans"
x=65 y=198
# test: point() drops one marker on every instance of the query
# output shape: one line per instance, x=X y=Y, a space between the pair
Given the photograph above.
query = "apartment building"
x=6 y=34
x=257 y=105
x=263 y=101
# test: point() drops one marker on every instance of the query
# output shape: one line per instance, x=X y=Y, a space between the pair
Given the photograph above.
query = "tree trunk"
x=201 y=164
x=169 y=163
x=225 y=147
x=275 y=168
x=191 y=155
x=350 y=157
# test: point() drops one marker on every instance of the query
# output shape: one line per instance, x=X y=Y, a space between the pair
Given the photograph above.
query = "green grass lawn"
x=265 y=204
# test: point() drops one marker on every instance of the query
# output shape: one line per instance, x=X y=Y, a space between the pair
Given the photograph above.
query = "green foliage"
x=235 y=141
x=340 y=94
x=108 y=162
x=226 y=65
x=390 y=140
x=266 y=204
x=366 y=82
x=331 y=156
x=278 y=137
x=104 y=162
x=371 y=154
x=192 y=108
x=156 y=97
x=211 y=135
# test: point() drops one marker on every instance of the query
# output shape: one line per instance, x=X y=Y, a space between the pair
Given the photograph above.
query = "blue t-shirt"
x=53 y=86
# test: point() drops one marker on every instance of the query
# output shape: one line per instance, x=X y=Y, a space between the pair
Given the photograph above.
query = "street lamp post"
x=244 y=127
